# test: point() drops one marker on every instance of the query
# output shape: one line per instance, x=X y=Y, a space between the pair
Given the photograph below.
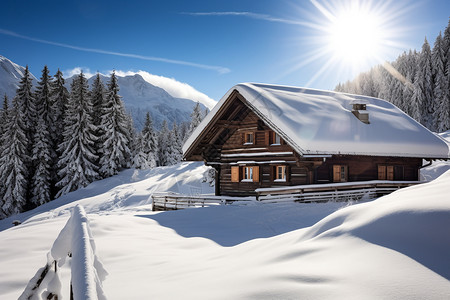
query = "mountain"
x=138 y=95
x=10 y=75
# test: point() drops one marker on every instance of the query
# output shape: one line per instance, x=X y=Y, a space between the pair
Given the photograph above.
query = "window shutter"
x=336 y=173
x=235 y=174
x=288 y=173
x=255 y=174
x=267 y=137
x=242 y=138
x=390 y=172
x=381 y=172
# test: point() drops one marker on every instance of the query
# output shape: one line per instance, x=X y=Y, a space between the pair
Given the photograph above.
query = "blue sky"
x=210 y=45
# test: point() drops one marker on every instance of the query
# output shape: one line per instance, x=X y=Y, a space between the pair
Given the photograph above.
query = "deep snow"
x=395 y=247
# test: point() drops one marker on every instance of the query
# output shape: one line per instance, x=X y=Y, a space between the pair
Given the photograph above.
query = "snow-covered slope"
x=395 y=247
x=10 y=75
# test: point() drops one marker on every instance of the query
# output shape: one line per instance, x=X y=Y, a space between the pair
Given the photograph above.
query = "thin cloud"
x=219 y=69
x=251 y=15
x=174 y=87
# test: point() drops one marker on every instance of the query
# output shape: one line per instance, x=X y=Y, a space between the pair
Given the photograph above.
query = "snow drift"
x=395 y=247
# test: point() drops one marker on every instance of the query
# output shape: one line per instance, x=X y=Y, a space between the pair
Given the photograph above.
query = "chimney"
x=359 y=110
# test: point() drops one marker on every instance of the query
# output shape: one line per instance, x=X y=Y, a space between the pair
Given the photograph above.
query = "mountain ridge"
x=139 y=96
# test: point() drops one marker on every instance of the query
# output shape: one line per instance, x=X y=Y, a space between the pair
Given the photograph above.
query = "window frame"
x=283 y=173
x=246 y=138
x=340 y=173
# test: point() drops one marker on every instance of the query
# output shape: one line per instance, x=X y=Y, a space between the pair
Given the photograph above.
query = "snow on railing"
x=74 y=243
x=349 y=191
x=170 y=201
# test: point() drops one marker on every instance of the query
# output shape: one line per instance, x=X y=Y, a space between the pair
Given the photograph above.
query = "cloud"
x=219 y=69
x=174 y=87
x=249 y=15
x=77 y=70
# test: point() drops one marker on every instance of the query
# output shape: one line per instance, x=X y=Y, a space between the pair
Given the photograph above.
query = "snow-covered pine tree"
x=132 y=139
x=4 y=123
x=43 y=153
x=422 y=109
x=147 y=147
x=59 y=103
x=77 y=162
x=25 y=99
x=426 y=66
x=4 y=112
x=163 y=144
x=98 y=102
x=177 y=144
x=14 y=162
x=196 y=118
x=139 y=157
x=115 y=138
x=440 y=91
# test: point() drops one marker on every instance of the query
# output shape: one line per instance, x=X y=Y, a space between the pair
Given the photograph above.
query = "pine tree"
x=147 y=147
x=4 y=113
x=177 y=144
x=59 y=104
x=77 y=162
x=98 y=102
x=440 y=91
x=4 y=123
x=163 y=144
x=115 y=138
x=196 y=118
x=25 y=99
x=43 y=153
x=14 y=163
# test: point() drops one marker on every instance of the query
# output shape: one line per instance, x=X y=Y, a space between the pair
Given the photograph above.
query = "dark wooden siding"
x=363 y=168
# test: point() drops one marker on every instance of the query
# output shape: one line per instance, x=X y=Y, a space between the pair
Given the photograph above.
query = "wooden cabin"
x=261 y=136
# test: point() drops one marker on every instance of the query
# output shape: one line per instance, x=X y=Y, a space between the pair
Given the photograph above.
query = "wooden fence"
x=347 y=191
x=353 y=191
x=74 y=241
x=173 y=201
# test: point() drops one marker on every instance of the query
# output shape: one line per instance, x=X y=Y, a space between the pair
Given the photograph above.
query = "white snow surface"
x=322 y=122
x=395 y=247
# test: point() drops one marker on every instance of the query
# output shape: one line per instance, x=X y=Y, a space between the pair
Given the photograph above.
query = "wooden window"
x=390 y=172
x=275 y=139
x=249 y=138
x=251 y=173
x=381 y=172
x=280 y=173
x=340 y=173
x=235 y=174
x=387 y=172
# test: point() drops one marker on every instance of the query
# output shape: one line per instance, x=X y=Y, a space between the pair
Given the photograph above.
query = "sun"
x=347 y=37
x=355 y=35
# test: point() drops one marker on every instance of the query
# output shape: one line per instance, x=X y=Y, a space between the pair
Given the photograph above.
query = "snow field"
x=395 y=247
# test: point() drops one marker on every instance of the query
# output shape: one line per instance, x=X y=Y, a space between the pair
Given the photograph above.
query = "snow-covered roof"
x=321 y=122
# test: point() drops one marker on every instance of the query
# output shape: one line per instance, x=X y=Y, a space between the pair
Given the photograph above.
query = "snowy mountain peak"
x=10 y=74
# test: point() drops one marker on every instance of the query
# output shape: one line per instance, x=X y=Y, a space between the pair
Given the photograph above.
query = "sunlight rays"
x=349 y=37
